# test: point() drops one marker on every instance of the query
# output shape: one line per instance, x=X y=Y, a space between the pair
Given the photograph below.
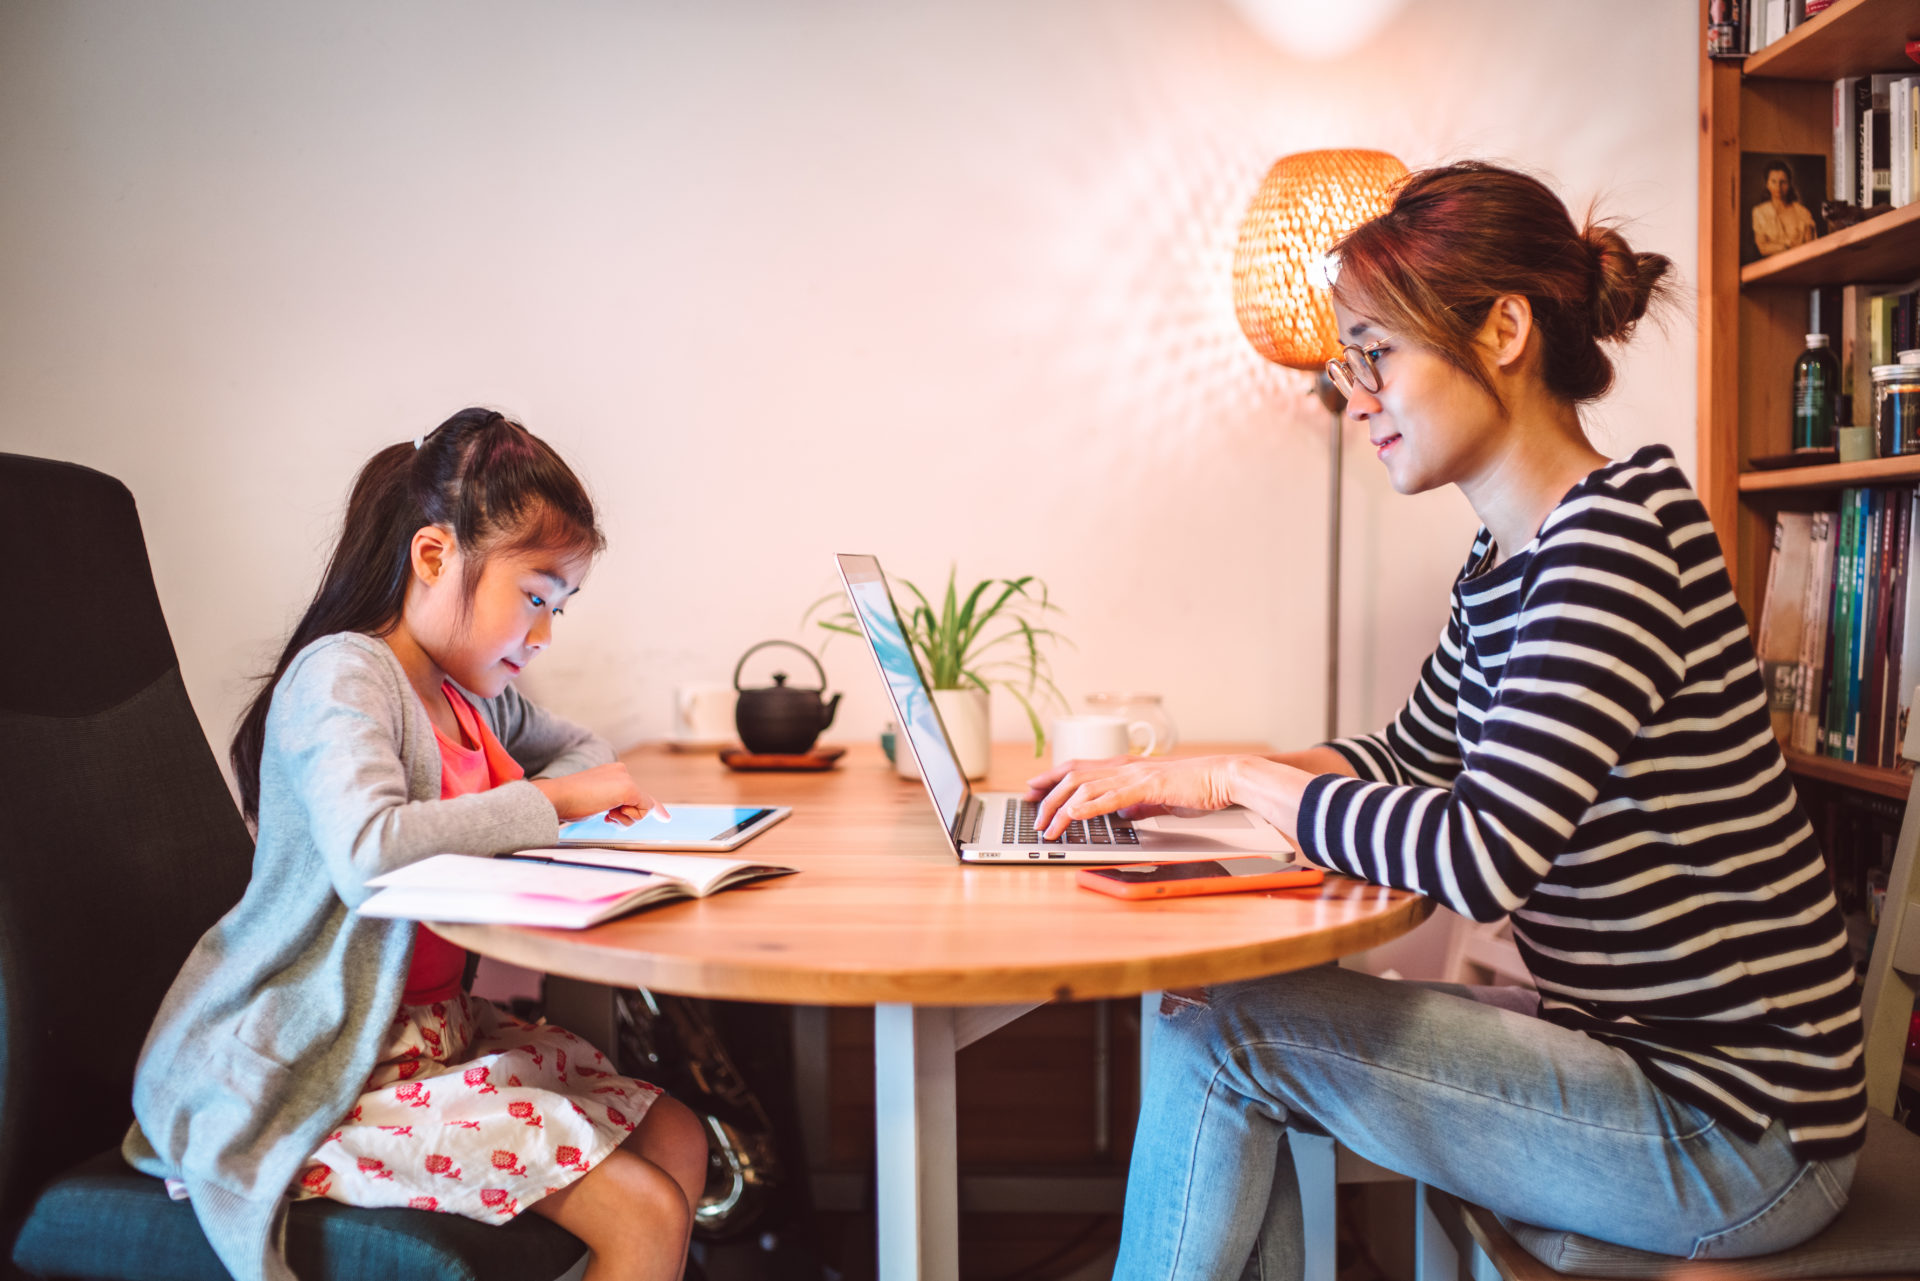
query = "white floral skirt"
x=472 y=1112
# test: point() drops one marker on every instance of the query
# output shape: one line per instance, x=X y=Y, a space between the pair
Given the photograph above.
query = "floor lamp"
x=1306 y=203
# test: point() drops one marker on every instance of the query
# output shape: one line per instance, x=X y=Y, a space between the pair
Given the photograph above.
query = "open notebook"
x=564 y=889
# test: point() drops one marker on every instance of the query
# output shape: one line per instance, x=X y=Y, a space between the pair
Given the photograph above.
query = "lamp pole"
x=1336 y=404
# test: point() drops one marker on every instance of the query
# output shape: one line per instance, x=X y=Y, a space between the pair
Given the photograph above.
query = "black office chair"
x=119 y=846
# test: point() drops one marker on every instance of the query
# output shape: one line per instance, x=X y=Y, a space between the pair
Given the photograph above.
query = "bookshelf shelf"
x=1851 y=37
x=1880 y=249
x=1875 y=471
x=1865 y=778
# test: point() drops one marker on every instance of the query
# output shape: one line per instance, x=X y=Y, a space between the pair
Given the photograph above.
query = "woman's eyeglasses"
x=1355 y=367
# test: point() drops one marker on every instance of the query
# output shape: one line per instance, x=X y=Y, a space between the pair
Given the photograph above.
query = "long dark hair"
x=495 y=484
x=1458 y=237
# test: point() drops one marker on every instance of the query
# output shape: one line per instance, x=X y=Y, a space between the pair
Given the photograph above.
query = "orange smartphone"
x=1202 y=876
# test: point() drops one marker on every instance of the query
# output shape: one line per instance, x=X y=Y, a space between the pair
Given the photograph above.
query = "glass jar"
x=1134 y=708
x=1896 y=409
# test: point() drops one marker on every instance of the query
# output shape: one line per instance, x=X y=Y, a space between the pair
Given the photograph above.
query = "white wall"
x=944 y=281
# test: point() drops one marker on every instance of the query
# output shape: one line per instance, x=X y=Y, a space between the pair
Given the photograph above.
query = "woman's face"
x=1778 y=184
x=1429 y=424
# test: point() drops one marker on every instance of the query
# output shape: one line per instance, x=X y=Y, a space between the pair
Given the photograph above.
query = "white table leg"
x=917 y=1190
x=1314 y=1165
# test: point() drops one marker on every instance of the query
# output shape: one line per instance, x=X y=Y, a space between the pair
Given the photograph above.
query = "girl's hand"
x=605 y=787
x=1135 y=787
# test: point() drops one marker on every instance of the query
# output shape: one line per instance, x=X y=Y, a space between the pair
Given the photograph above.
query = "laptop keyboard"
x=1108 y=829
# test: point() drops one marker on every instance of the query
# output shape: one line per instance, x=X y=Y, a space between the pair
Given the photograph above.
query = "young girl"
x=306 y=1051
x=1588 y=752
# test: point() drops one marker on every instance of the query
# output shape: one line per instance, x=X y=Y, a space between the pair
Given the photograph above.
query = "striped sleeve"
x=1421 y=744
x=1596 y=652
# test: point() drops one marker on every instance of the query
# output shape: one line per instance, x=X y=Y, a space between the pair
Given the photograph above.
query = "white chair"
x=1879 y=1232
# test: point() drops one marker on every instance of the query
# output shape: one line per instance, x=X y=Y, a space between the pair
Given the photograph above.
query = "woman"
x=1780 y=221
x=1587 y=751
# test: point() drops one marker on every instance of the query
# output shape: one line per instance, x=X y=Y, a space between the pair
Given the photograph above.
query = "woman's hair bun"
x=1624 y=282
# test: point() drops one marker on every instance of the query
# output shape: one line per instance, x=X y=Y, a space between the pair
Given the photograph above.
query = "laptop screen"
x=912 y=705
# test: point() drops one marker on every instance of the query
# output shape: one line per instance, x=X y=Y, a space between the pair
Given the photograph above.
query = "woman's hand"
x=1134 y=787
x=605 y=787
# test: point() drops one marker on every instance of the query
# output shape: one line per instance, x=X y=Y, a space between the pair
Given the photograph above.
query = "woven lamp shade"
x=1306 y=203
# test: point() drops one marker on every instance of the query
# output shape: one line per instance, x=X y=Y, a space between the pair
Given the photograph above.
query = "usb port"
x=1061 y=854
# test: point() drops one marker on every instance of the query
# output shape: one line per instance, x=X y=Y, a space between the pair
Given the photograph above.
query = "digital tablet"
x=710 y=828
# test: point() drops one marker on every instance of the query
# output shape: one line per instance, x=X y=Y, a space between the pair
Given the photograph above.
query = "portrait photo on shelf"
x=1780 y=195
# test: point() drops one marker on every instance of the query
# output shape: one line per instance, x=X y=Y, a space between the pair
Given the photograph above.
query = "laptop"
x=998 y=827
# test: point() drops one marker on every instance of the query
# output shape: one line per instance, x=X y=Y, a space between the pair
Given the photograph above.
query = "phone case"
x=1089 y=879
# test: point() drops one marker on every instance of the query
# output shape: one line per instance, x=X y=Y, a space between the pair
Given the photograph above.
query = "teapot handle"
x=741 y=665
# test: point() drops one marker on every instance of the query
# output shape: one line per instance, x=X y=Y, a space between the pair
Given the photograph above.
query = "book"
x=1846 y=139
x=1815 y=632
x=1782 y=629
x=1833 y=720
x=1876 y=140
x=1874 y=609
x=1900 y=130
x=1857 y=625
x=1902 y=504
x=558 y=888
x=1909 y=648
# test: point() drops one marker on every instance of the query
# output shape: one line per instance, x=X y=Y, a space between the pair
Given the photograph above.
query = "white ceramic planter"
x=965 y=713
x=968 y=725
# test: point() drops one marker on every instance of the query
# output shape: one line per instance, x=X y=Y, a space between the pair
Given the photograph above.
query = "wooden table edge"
x=573 y=955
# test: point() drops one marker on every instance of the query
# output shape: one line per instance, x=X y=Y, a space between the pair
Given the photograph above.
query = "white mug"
x=1092 y=738
x=703 y=713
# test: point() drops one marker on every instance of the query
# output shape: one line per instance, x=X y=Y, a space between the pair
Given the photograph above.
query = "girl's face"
x=509 y=620
x=1429 y=423
x=1778 y=184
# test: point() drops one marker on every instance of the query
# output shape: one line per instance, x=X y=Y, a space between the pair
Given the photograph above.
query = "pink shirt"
x=437 y=964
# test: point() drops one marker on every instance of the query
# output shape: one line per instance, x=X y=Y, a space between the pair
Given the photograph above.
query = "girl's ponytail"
x=479 y=474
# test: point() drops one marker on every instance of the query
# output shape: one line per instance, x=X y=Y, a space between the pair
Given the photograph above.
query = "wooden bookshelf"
x=1875 y=471
x=1753 y=321
x=1880 y=249
x=1881 y=782
x=1850 y=37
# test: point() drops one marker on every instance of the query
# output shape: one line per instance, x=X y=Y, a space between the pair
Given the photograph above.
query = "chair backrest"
x=1893 y=970
x=119 y=842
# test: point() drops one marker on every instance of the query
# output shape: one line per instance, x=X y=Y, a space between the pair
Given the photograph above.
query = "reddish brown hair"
x=1458 y=237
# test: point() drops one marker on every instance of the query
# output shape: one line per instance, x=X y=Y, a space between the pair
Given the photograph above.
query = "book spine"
x=1902 y=503
x=1834 y=720
x=1857 y=632
x=1846 y=139
x=1815 y=626
x=1873 y=677
x=1902 y=129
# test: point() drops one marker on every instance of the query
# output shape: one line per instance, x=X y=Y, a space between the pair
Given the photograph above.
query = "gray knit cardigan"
x=266 y=1037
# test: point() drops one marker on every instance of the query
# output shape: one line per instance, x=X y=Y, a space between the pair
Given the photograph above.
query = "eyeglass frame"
x=1346 y=376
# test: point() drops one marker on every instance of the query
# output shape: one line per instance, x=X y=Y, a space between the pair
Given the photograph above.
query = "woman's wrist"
x=1269 y=788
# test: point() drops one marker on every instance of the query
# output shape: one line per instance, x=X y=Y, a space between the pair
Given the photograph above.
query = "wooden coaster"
x=820 y=758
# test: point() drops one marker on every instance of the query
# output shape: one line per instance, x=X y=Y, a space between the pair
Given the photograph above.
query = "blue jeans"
x=1536 y=1122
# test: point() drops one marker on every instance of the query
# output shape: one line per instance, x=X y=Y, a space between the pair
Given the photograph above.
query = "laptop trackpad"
x=1220 y=820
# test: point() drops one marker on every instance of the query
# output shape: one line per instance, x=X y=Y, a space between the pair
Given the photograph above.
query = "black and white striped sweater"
x=1589 y=751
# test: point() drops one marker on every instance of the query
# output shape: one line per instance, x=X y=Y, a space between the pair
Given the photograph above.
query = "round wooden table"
x=883 y=914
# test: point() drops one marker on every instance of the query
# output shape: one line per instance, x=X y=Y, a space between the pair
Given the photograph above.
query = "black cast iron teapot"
x=775 y=720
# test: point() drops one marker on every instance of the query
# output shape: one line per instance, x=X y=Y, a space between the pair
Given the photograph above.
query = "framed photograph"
x=1780 y=194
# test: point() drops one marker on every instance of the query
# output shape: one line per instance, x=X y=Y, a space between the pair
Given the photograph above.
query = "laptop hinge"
x=970 y=825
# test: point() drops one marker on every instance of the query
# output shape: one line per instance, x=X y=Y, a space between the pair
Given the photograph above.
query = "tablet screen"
x=690 y=824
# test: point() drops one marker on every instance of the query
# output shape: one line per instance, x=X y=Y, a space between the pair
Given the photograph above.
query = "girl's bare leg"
x=635 y=1209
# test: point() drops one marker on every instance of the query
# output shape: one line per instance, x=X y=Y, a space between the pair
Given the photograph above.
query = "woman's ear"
x=1503 y=338
x=432 y=553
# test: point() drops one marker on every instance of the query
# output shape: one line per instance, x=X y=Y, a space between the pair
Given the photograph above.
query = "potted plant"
x=992 y=638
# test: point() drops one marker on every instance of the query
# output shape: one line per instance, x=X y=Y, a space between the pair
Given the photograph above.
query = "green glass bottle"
x=1816 y=394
